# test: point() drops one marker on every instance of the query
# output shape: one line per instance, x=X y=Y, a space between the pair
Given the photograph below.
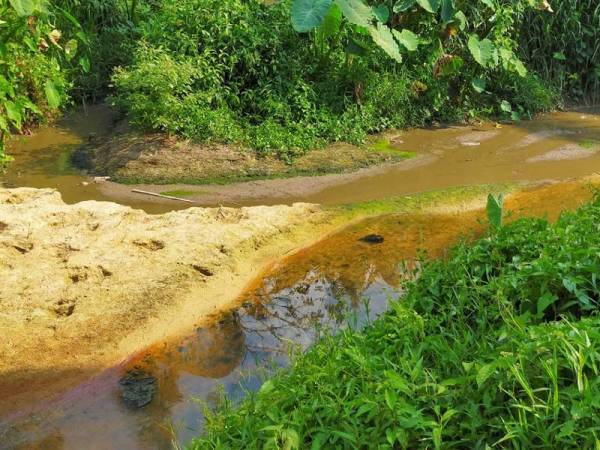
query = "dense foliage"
x=32 y=53
x=564 y=48
x=236 y=71
x=497 y=345
x=285 y=77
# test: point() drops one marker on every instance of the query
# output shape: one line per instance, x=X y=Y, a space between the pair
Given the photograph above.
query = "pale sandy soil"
x=85 y=285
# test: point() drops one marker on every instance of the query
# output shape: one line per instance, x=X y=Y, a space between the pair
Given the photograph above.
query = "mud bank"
x=85 y=285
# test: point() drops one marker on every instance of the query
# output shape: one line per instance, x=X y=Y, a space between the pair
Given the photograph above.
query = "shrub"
x=497 y=345
x=288 y=92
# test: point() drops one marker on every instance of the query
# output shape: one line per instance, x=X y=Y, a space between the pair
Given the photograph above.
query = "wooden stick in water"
x=154 y=194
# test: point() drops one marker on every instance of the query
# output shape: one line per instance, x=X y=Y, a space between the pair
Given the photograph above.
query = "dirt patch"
x=130 y=157
x=87 y=284
x=568 y=152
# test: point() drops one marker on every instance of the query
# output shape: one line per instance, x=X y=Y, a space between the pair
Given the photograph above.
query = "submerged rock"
x=139 y=388
x=372 y=239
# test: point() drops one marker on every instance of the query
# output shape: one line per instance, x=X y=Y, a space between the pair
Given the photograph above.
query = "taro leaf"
x=447 y=10
x=505 y=106
x=494 y=210
x=309 y=14
x=478 y=84
x=384 y=38
x=13 y=112
x=482 y=51
x=52 y=95
x=331 y=23
x=28 y=7
x=404 y=5
x=357 y=48
x=519 y=67
x=408 y=39
x=429 y=5
x=461 y=19
x=356 y=12
x=381 y=13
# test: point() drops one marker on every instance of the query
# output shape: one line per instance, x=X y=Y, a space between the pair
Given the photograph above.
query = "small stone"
x=372 y=239
x=139 y=388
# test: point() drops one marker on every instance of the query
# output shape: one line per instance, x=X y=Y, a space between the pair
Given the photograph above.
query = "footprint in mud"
x=150 y=244
x=64 y=308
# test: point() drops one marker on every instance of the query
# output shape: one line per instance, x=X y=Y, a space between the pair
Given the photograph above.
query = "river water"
x=339 y=282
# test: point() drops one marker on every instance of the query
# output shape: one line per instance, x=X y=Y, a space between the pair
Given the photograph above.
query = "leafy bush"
x=267 y=87
x=35 y=59
x=498 y=345
x=564 y=47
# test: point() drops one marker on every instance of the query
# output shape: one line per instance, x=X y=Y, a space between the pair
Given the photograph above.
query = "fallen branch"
x=170 y=197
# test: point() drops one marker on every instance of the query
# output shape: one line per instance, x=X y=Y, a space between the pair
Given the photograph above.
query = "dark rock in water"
x=138 y=388
x=372 y=238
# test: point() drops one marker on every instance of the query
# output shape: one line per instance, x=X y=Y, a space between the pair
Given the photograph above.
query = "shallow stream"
x=338 y=282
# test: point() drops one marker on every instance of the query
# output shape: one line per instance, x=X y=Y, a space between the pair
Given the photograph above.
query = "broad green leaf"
x=407 y=39
x=447 y=10
x=331 y=23
x=356 y=12
x=429 y=5
x=559 y=56
x=494 y=210
x=23 y=7
x=381 y=13
x=357 y=48
x=3 y=125
x=384 y=38
x=505 y=106
x=478 y=84
x=309 y=14
x=482 y=51
x=461 y=19
x=84 y=63
x=404 y=5
x=519 y=67
x=29 y=7
x=6 y=88
x=545 y=301
x=52 y=94
x=484 y=373
x=291 y=440
x=13 y=112
x=489 y=4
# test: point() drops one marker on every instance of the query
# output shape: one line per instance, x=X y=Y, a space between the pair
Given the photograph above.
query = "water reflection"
x=317 y=288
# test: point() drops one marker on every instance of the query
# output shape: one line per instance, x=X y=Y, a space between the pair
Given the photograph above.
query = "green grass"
x=178 y=193
x=498 y=345
x=589 y=144
x=386 y=147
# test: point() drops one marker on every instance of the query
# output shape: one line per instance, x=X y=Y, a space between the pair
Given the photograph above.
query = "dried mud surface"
x=85 y=285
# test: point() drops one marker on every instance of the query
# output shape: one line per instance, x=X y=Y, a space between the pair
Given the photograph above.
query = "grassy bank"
x=496 y=344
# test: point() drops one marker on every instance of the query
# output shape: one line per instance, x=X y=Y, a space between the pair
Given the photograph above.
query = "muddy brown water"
x=341 y=281
x=554 y=146
x=338 y=282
